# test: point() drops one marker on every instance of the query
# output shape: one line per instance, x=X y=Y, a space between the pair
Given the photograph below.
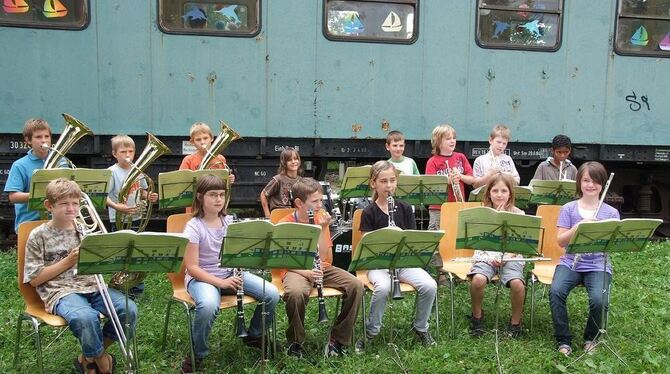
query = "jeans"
x=82 y=311
x=564 y=281
x=419 y=279
x=208 y=298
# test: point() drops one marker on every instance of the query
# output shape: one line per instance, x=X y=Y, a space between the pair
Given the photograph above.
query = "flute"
x=511 y=259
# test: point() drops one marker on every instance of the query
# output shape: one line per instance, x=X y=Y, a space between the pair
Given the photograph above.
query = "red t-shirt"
x=437 y=165
x=192 y=162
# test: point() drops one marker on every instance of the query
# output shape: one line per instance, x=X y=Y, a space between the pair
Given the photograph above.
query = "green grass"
x=639 y=329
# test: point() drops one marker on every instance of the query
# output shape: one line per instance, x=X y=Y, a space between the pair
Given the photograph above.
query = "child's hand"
x=73 y=256
x=153 y=197
x=315 y=276
x=324 y=219
x=496 y=263
x=231 y=283
x=455 y=178
x=231 y=178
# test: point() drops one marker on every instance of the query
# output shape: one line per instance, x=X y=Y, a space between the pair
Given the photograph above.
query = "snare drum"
x=341 y=247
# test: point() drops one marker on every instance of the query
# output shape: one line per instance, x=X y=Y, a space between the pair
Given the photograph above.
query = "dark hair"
x=205 y=184
x=305 y=187
x=509 y=182
x=561 y=141
x=596 y=171
x=287 y=155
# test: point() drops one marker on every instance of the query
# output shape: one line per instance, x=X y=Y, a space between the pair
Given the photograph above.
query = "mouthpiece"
x=45 y=146
x=128 y=160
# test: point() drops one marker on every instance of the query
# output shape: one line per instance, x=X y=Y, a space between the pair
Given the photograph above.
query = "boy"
x=395 y=144
x=298 y=284
x=37 y=134
x=201 y=137
x=443 y=141
x=51 y=256
x=495 y=160
x=551 y=169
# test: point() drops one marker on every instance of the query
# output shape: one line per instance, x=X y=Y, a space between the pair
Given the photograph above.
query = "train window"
x=643 y=28
x=210 y=17
x=45 y=14
x=391 y=21
x=520 y=24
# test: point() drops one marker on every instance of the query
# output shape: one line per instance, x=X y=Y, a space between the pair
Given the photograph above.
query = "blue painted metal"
x=122 y=75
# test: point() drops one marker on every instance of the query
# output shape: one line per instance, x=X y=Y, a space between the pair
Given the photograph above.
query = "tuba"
x=73 y=131
x=226 y=136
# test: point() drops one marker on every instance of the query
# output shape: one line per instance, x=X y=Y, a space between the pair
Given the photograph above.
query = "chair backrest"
x=28 y=292
x=356 y=232
x=449 y=223
x=176 y=224
x=279 y=213
x=549 y=245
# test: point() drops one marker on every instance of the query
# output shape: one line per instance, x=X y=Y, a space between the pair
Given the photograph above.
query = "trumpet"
x=455 y=186
x=323 y=314
x=395 y=281
x=241 y=326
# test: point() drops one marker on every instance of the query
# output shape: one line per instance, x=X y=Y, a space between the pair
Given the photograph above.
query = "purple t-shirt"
x=209 y=246
x=567 y=218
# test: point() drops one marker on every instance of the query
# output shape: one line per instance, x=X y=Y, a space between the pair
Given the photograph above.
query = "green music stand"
x=608 y=236
x=127 y=251
x=177 y=188
x=356 y=182
x=422 y=190
x=522 y=195
x=552 y=192
x=261 y=245
x=93 y=182
x=392 y=248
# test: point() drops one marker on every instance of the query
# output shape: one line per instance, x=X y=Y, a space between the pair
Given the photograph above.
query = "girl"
x=499 y=196
x=277 y=193
x=586 y=269
x=206 y=280
x=383 y=181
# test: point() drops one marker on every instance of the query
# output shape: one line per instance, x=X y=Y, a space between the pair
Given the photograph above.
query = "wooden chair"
x=448 y=250
x=544 y=271
x=176 y=224
x=34 y=311
x=362 y=275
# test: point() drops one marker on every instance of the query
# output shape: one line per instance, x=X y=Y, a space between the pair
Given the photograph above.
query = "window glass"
x=390 y=21
x=519 y=24
x=228 y=18
x=52 y=14
x=643 y=28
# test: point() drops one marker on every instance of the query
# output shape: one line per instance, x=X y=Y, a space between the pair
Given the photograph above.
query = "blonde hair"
x=62 y=188
x=509 y=182
x=394 y=136
x=439 y=132
x=376 y=169
x=501 y=131
x=122 y=141
x=34 y=124
x=200 y=127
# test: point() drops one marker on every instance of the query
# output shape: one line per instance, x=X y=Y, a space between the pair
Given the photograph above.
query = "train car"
x=332 y=77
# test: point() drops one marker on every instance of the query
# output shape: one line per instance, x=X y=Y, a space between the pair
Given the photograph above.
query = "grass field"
x=639 y=329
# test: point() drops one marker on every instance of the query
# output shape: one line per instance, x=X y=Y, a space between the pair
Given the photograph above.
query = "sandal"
x=111 y=365
x=78 y=365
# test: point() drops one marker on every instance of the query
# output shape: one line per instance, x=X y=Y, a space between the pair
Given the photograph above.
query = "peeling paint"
x=211 y=78
x=386 y=126
x=190 y=77
x=490 y=75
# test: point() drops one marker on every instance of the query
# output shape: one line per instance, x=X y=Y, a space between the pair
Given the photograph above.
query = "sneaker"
x=589 y=347
x=187 y=365
x=295 y=350
x=333 y=348
x=477 y=326
x=565 y=349
x=425 y=338
x=359 y=347
x=514 y=331
x=252 y=341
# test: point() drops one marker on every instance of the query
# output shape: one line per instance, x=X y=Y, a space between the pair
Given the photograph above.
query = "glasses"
x=214 y=195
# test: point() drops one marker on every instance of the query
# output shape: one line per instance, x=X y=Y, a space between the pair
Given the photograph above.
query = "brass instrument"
x=323 y=314
x=154 y=149
x=455 y=186
x=395 y=281
x=226 y=136
x=73 y=131
x=241 y=326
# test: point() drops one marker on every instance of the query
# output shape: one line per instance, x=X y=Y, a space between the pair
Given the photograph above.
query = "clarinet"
x=397 y=294
x=241 y=326
x=323 y=315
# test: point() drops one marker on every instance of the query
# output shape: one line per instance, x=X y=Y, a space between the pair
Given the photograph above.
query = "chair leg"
x=451 y=291
x=437 y=315
x=165 y=325
x=38 y=343
x=532 y=300
x=363 y=328
x=17 y=346
x=189 y=317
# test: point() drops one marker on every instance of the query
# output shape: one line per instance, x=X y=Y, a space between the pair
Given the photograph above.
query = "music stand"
x=127 y=251
x=177 y=188
x=355 y=184
x=552 y=192
x=628 y=235
x=262 y=245
x=392 y=249
x=522 y=195
x=422 y=190
x=93 y=182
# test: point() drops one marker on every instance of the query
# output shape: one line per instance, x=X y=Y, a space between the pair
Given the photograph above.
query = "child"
x=443 y=141
x=206 y=280
x=499 y=196
x=586 y=269
x=277 y=193
x=495 y=160
x=551 y=169
x=202 y=138
x=395 y=144
x=307 y=194
x=37 y=134
x=52 y=251
x=383 y=182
